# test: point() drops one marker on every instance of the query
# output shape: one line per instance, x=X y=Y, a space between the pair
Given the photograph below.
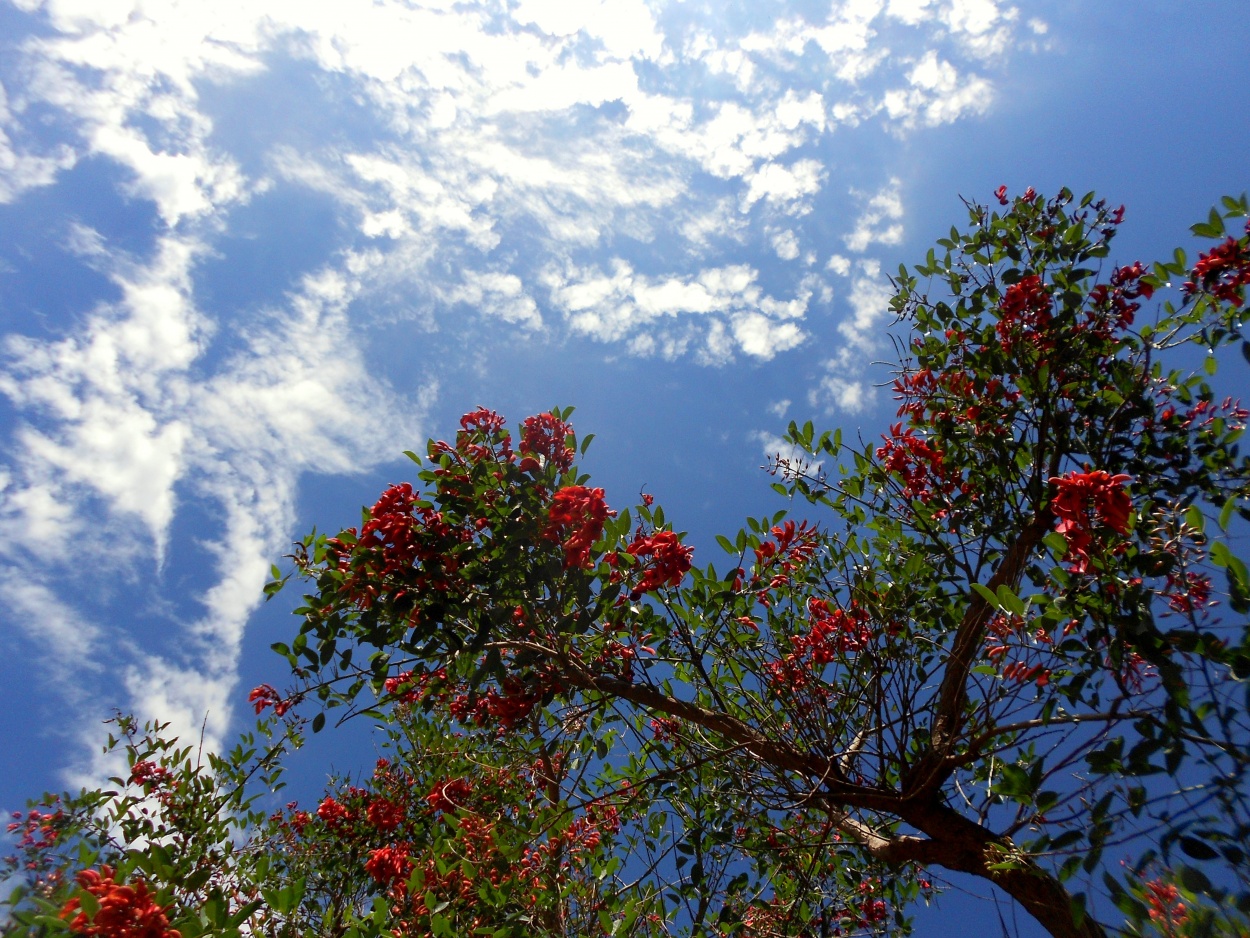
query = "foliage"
x=1001 y=650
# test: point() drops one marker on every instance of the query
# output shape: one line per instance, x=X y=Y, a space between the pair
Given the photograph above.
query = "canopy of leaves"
x=1011 y=635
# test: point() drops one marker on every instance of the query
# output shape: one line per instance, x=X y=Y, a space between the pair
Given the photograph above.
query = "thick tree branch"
x=957 y=843
x=930 y=771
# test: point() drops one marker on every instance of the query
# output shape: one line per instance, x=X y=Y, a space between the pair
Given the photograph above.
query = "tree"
x=996 y=650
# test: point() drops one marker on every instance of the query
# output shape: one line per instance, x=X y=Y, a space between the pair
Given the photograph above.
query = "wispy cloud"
x=881 y=220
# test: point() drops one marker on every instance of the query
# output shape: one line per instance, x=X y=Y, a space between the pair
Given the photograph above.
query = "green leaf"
x=319 y=722
x=1193 y=879
x=1009 y=601
x=986 y=593
x=1198 y=849
x=1226 y=513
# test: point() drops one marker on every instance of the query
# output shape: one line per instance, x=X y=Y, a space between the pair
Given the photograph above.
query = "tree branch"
x=930 y=770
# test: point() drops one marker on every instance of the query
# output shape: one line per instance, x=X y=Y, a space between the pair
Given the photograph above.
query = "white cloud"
x=625 y=27
x=879 y=223
x=870 y=304
x=793 y=184
x=911 y=12
x=762 y=338
x=702 y=223
x=624 y=304
x=101 y=388
x=500 y=295
x=937 y=94
x=21 y=171
x=835 y=394
x=786 y=244
x=125 y=423
x=844 y=386
x=984 y=28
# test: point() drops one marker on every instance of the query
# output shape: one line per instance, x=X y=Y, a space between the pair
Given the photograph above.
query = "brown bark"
x=932 y=769
x=957 y=843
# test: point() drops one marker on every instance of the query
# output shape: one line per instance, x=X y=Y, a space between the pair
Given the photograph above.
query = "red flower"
x=389 y=865
x=666 y=730
x=149 y=773
x=124 y=911
x=482 y=421
x=1187 y=592
x=576 y=519
x=668 y=563
x=265 y=696
x=917 y=461
x=1001 y=194
x=1024 y=312
x=385 y=815
x=1086 y=498
x=834 y=632
x=1223 y=272
x=449 y=796
x=1166 y=910
x=544 y=435
x=333 y=813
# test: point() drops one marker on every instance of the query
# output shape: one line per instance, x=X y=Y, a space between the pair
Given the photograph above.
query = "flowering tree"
x=999 y=649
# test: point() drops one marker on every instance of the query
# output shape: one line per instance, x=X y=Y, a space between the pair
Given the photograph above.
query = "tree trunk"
x=957 y=843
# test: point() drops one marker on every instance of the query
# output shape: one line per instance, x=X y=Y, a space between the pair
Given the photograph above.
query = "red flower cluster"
x=576 y=519
x=1021 y=672
x=666 y=729
x=666 y=560
x=146 y=772
x=954 y=396
x=793 y=547
x=384 y=814
x=266 y=696
x=509 y=705
x=1187 y=592
x=409 y=688
x=389 y=865
x=543 y=440
x=1114 y=306
x=39 y=830
x=917 y=461
x=1024 y=314
x=333 y=814
x=391 y=527
x=1084 y=499
x=124 y=912
x=448 y=797
x=834 y=632
x=1223 y=272
x=481 y=424
x=572 y=845
x=1166 y=909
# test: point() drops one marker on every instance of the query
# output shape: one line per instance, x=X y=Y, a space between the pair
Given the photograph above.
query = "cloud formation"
x=640 y=174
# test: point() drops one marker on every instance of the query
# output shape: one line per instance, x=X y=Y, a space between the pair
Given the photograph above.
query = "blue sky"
x=250 y=252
